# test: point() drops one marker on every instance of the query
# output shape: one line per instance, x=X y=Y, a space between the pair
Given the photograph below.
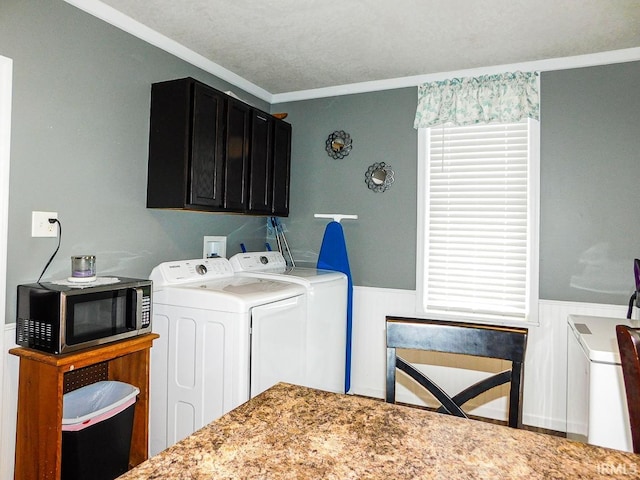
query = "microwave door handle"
x=138 y=308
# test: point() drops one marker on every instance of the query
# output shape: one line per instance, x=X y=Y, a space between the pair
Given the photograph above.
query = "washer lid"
x=244 y=286
x=234 y=294
x=597 y=336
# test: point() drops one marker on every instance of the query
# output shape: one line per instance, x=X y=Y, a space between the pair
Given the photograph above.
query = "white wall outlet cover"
x=40 y=226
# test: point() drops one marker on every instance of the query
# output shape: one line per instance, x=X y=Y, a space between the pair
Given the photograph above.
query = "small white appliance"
x=223 y=339
x=326 y=339
x=596 y=400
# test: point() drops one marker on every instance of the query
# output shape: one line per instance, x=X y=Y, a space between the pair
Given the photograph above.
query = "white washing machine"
x=223 y=339
x=596 y=399
x=326 y=340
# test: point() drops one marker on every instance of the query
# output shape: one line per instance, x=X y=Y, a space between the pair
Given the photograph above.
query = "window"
x=477 y=221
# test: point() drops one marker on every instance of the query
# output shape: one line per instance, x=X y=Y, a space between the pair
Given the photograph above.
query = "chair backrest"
x=629 y=345
x=506 y=343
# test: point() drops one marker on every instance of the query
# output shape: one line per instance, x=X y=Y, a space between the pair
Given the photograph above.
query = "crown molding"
x=564 y=63
x=123 y=22
x=118 y=19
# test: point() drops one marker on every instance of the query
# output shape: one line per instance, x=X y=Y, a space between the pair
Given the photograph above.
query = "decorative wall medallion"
x=379 y=177
x=338 y=145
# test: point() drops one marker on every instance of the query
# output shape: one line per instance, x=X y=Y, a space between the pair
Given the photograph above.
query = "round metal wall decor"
x=338 y=145
x=379 y=177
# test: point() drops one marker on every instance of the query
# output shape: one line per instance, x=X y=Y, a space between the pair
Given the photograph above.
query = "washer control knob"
x=201 y=269
x=264 y=260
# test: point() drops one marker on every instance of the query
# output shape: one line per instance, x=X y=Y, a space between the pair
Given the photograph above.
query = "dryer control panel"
x=259 y=262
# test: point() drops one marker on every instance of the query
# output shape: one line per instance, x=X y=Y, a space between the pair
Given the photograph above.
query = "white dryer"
x=326 y=339
x=597 y=410
x=223 y=339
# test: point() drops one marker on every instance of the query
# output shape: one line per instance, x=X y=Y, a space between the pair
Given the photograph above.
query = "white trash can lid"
x=94 y=400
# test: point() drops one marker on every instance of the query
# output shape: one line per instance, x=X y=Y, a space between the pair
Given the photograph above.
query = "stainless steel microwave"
x=63 y=318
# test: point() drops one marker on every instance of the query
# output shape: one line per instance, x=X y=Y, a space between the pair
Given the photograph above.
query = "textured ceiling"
x=293 y=45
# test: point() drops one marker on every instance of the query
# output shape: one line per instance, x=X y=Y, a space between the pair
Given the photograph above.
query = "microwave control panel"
x=146 y=307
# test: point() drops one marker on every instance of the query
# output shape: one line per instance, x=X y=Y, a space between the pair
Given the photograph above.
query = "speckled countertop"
x=291 y=432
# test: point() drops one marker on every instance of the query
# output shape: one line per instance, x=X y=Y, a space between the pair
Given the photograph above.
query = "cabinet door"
x=261 y=163
x=237 y=155
x=281 y=168
x=169 y=144
x=206 y=167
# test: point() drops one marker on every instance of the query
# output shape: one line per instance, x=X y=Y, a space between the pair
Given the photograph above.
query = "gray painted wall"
x=79 y=147
x=590 y=144
x=382 y=242
x=590 y=183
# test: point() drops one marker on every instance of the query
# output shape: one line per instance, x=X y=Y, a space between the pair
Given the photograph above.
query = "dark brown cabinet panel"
x=209 y=151
x=261 y=163
x=185 y=146
x=237 y=155
x=281 y=168
x=206 y=168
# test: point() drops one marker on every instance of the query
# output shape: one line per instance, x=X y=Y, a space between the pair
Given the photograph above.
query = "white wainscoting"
x=6 y=85
x=9 y=403
x=545 y=368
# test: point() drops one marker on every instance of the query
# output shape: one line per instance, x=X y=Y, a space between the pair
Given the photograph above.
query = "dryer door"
x=278 y=333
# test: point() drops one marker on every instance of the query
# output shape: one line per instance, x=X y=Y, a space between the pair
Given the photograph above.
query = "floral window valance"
x=506 y=97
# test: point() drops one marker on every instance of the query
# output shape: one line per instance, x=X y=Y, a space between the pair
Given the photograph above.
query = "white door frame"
x=6 y=72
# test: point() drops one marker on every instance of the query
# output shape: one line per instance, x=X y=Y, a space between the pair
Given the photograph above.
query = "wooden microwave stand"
x=44 y=378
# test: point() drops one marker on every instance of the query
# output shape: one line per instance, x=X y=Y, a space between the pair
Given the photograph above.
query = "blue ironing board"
x=333 y=256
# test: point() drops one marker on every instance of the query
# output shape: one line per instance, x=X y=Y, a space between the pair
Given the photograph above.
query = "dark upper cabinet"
x=281 y=168
x=261 y=163
x=237 y=155
x=209 y=151
x=206 y=166
x=186 y=146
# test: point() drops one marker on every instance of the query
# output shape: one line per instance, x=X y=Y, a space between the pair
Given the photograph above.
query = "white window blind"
x=477 y=220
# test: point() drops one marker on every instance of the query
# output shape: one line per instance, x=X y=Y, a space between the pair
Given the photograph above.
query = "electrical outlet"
x=40 y=226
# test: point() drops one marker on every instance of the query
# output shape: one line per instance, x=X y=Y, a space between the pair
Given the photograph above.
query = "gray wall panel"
x=382 y=241
x=80 y=127
x=79 y=147
x=590 y=139
x=590 y=187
